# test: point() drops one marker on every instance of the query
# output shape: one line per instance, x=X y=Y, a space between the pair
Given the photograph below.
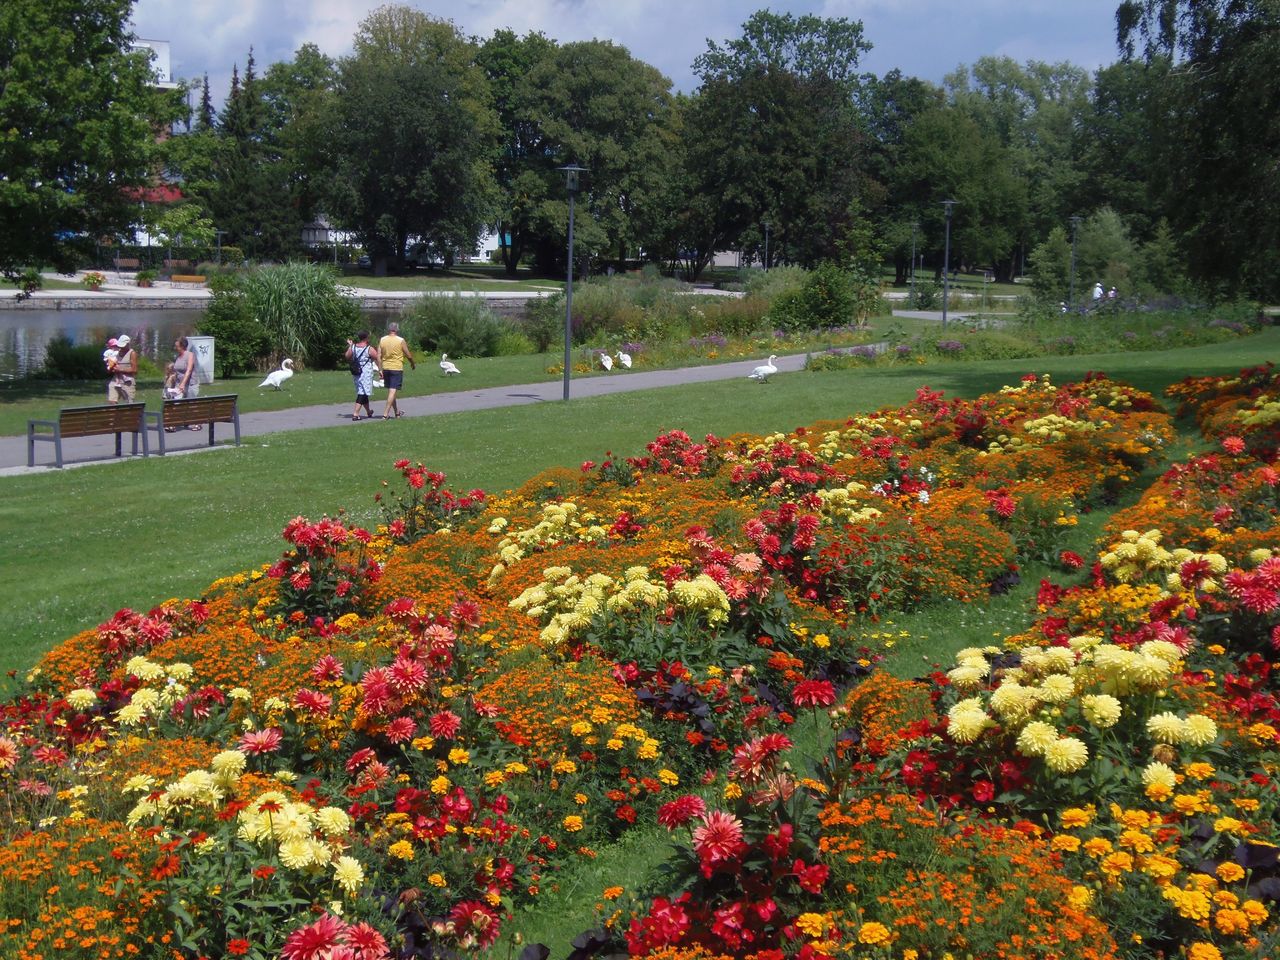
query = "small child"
x=171 y=391
x=111 y=354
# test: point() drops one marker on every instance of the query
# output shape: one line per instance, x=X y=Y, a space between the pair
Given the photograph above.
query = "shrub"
x=825 y=300
x=734 y=317
x=771 y=284
x=64 y=360
x=242 y=341
x=457 y=325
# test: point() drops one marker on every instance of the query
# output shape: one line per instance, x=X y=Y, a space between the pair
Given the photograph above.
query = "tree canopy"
x=79 y=118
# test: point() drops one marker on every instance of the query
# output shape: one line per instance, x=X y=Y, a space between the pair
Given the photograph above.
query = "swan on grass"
x=763 y=372
x=447 y=366
x=624 y=359
x=276 y=378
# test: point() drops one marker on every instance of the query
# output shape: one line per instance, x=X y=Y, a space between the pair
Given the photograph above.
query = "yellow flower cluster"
x=560 y=523
x=839 y=504
x=1054 y=427
x=567 y=604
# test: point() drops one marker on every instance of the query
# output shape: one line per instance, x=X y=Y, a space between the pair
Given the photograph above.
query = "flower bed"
x=386 y=741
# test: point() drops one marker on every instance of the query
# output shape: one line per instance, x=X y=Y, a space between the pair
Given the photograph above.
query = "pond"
x=25 y=334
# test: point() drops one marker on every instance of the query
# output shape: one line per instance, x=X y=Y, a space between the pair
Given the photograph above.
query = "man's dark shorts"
x=393 y=379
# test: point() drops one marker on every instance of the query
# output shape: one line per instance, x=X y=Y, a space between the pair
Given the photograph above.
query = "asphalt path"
x=94 y=451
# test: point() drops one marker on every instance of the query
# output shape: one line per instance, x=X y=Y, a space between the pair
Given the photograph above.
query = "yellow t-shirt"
x=391 y=352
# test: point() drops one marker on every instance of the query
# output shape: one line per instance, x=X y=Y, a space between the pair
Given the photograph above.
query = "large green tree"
x=524 y=168
x=612 y=114
x=410 y=137
x=1033 y=111
x=887 y=108
x=79 y=118
x=772 y=135
x=1221 y=106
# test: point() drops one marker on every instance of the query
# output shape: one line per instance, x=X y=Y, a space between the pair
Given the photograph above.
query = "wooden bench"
x=117 y=418
x=188 y=280
x=196 y=412
x=127 y=263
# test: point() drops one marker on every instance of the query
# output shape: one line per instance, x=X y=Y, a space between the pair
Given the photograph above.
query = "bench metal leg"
x=236 y=421
x=118 y=447
x=211 y=429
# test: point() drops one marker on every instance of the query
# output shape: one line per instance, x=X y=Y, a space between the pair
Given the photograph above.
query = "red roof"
x=162 y=193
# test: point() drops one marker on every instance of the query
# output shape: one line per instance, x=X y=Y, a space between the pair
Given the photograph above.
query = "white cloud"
x=925 y=38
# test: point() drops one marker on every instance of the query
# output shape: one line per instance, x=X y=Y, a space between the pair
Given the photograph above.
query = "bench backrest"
x=187 y=412
x=94 y=421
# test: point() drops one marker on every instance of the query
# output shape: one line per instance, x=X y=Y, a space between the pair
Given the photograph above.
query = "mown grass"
x=82 y=543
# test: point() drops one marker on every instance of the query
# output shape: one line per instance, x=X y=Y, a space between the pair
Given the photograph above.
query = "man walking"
x=394 y=351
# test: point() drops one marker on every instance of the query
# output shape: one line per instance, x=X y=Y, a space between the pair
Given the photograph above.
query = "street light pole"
x=571 y=182
x=1071 y=290
x=946 y=264
x=766 y=224
x=915 y=225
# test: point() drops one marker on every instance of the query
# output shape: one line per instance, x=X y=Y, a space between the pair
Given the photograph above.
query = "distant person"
x=363 y=359
x=184 y=370
x=393 y=351
x=1111 y=294
x=1097 y=291
x=123 y=384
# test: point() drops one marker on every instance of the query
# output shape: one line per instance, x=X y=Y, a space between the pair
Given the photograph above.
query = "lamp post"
x=1071 y=290
x=946 y=264
x=219 y=233
x=915 y=225
x=571 y=182
x=766 y=224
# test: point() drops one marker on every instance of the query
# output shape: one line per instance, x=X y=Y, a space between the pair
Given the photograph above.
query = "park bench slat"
x=95 y=421
x=197 y=411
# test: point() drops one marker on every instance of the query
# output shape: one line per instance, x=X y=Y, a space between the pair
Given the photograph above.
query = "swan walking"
x=606 y=361
x=763 y=372
x=624 y=359
x=446 y=366
x=276 y=378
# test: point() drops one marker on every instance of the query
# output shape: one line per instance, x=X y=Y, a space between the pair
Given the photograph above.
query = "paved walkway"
x=93 y=451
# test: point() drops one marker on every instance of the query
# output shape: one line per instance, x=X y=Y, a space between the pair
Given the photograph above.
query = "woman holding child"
x=185 y=382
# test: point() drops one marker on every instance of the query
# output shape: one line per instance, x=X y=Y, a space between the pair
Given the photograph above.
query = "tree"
x=948 y=155
x=524 y=168
x=1220 y=104
x=1105 y=251
x=410 y=137
x=772 y=135
x=599 y=106
x=181 y=225
x=1033 y=111
x=79 y=116
x=887 y=108
x=1050 y=265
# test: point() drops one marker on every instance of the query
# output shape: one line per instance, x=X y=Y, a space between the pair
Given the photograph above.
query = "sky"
x=922 y=38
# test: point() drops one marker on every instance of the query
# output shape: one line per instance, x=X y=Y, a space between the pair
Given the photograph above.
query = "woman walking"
x=363 y=359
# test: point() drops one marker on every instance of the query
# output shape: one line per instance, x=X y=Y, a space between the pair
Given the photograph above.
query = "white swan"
x=276 y=378
x=606 y=361
x=446 y=366
x=624 y=359
x=763 y=372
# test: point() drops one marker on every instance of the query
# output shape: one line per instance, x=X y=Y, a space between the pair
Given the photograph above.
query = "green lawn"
x=47 y=284
x=82 y=543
